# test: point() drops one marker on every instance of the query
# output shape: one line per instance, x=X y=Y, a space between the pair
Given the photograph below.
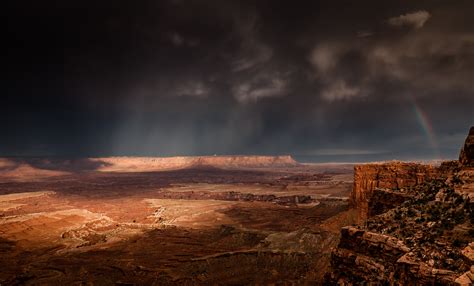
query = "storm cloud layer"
x=321 y=80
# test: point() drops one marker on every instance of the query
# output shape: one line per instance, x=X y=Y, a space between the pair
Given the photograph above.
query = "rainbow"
x=426 y=126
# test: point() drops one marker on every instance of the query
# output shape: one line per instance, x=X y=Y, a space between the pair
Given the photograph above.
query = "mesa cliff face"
x=418 y=225
x=27 y=167
x=370 y=178
x=168 y=163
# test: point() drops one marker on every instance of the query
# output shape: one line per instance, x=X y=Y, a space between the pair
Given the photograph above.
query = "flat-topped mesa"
x=466 y=158
x=137 y=164
x=378 y=176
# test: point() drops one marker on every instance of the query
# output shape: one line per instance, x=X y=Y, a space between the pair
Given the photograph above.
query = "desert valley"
x=234 y=220
x=145 y=221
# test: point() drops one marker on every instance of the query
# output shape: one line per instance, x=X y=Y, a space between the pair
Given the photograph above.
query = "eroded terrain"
x=416 y=224
x=79 y=222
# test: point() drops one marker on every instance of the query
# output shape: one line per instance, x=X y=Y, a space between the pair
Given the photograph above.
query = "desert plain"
x=166 y=221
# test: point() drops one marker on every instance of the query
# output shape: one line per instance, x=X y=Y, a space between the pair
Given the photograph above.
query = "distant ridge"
x=24 y=166
x=111 y=164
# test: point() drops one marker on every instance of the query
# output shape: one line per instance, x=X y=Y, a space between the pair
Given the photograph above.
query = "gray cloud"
x=414 y=19
x=179 y=40
x=193 y=88
x=253 y=52
x=258 y=54
x=339 y=90
x=260 y=87
x=324 y=57
x=327 y=60
x=425 y=63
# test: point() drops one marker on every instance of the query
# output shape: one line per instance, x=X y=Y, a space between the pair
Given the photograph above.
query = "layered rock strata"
x=389 y=176
x=418 y=225
x=363 y=256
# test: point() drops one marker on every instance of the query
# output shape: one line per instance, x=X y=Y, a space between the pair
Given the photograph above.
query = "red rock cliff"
x=466 y=158
x=393 y=175
x=414 y=236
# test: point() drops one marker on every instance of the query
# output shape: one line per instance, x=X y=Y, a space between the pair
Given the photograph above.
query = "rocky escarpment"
x=467 y=152
x=385 y=176
x=466 y=172
x=418 y=227
x=364 y=256
x=383 y=200
x=432 y=231
x=356 y=255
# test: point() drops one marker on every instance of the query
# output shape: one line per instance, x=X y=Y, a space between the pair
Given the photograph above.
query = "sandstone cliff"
x=386 y=176
x=418 y=225
x=467 y=152
x=425 y=240
x=363 y=256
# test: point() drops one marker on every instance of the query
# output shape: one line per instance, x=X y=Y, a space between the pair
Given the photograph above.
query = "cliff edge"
x=370 y=178
x=417 y=225
x=466 y=158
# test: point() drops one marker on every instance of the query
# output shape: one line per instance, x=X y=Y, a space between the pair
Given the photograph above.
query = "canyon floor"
x=124 y=222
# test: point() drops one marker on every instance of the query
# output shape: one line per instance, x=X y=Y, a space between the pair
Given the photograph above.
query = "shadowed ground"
x=190 y=226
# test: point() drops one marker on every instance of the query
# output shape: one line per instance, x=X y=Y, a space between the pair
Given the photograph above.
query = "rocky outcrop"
x=418 y=225
x=419 y=243
x=368 y=257
x=383 y=200
x=467 y=153
x=356 y=254
x=391 y=176
x=466 y=172
x=468 y=256
x=409 y=271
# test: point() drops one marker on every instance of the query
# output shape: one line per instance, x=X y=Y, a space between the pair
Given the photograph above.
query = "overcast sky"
x=320 y=80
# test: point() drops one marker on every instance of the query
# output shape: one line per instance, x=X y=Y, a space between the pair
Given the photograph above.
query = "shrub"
x=459 y=200
x=398 y=215
x=459 y=217
x=457 y=242
x=419 y=219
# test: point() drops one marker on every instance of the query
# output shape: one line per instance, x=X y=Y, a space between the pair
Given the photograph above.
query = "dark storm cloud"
x=317 y=79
